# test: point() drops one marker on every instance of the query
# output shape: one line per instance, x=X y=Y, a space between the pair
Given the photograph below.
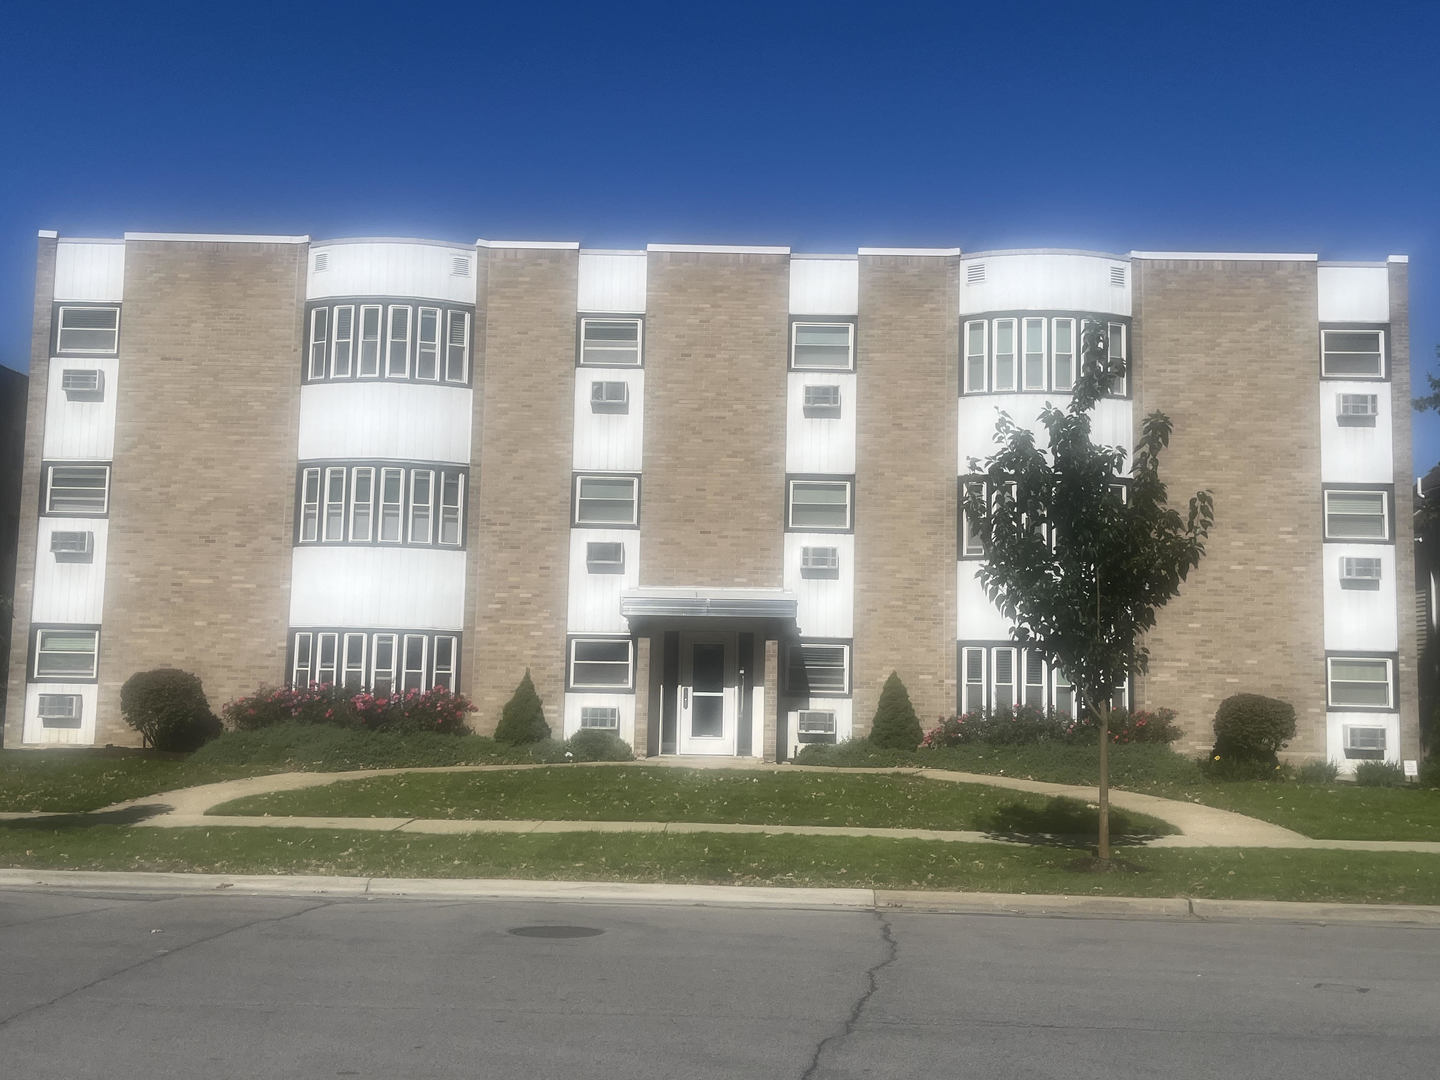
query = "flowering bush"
x=1024 y=724
x=405 y=712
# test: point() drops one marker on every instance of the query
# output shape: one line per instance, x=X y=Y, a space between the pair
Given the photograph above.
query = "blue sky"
x=1118 y=127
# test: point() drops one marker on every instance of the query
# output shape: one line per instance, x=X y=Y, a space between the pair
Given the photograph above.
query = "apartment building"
x=707 y=495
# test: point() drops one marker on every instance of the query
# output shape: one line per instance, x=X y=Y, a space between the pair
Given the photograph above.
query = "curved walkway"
x=1199 y=825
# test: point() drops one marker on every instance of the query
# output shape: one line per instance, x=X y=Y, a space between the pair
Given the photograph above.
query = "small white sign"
x=1412 y=770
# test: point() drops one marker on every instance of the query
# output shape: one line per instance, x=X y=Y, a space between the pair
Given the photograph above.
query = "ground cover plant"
x=725 y=859
x=671 y=794
x=72 y=781
x=434 y=711
x=1024 y=724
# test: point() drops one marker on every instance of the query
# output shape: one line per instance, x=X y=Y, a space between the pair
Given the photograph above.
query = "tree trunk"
x=1102 y=848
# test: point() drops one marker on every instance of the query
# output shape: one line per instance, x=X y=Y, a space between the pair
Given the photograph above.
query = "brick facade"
x=1409 y=659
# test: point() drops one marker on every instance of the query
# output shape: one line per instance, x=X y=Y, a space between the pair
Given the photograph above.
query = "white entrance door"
x=709 y=700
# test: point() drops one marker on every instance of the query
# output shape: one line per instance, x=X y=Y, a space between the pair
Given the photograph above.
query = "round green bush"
x=523 y=718
x=1252 y=728
x=169 y=709
x=896 y=726
x=597 y=746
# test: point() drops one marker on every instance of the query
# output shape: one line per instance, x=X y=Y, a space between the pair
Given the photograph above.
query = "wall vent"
x=975 y=274
x=1117 y=275
x=460 y=266
x=322 y=261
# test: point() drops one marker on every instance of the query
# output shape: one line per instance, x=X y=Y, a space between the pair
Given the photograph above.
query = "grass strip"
x=73 y=781
x=720 y=859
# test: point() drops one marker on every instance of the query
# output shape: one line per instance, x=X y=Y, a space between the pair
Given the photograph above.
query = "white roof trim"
x=48 y=234
x=939 y=252
x=393 y=240
x=842 y=257
x=1045 y=251
x=1370 y=265
x=719 y=249
x=548 y=245
x=719 y=602
x=1228 y=256
x=1398 y=258
x=612 y=251
x=217 y=238
x=91 y=240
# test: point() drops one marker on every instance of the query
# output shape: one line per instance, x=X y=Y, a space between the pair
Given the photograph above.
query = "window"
x=66 y=655
x=59 y=710
x=975 y=357
x=610 y=342
x=77 y=490
x=319 y=340
x=822 y=346
x=457 y=347
x=353 y=675
x=972 y=544
x=344 y=339
x=381 y=661
x=1002 y=682
x=1352 y=354
x=369 y=344
x=1032 y=353
x=327 y=648
x=397 y=351
x=607 y=500
x=1062 y=693
x=1001 y=676
x=1357 y=515
x=77 y=547
x=87 y=330
x=601 y=718
x=609 y=397
x=1004 y=366
x=444 y=664
x=1035 y=690
x=382 y=666
x=1062 y=337
x=427 y=345
x=412 y=676
x=1115 y=343
x=605 y=557
x=818 y=670
x=601 y=663
x=302 y=659
x=819 y=562
x=822 y=401
x=1034 y=366
x=83 y=384
x=972 y=663
x=337 y=504
x=1359 y=682
x=819 y=505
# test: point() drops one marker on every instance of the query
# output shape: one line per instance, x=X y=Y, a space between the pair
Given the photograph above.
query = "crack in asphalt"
x=872 y=983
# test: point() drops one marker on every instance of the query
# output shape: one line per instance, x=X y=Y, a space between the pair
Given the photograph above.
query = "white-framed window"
x=1036 y=693
x=1062 y=337
x=818 y=669
x=1115 y=343
x=999 y=676
x=972 y=693
x=1002 y=680
x=319 y=341
x=59 y=710
x=309 y=506
x=1003 y=368
x=452 y=509
x=605 y=557
x=1359 y=682
x=422 y=505
x=334 y=530
x=972 y=544
x=819 y=562
x=822 y=346
x=1357 y=515
x=338 y=504
x=413 y=673
x=1034 y=364
x=819 y=505
x=327 y=658
x=611 y=342
x=976 y=356
x=302 y=659
x=397 y=349
x=443 y=664
x=382 y=663
x=344 y=340
x=77 y=490
x=822 y=401
x=457 y=347
x=599 y=718
x=369 y=344
x=66 y=653
x=427 y=344
x=76 y=546
x=1062 y=693
x=362 y=504
x=1352 y=354
x=87 y=330
x=607 y=500
x=601 y=663
x=352 y=674
x=392 y=505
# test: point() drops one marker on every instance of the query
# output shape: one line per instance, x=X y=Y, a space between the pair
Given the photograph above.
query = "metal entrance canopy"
x=725 y=603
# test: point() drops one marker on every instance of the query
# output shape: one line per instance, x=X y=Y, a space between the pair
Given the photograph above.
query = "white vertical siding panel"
x=404 y=269
x=1112 y=422
x=826 y=606
x=77 y=430
x=625 y=703
x=612 y=282
x=1359 y=294
x=1364 y=619
x=69 y=592
x=824 y=286
x=404 y=588
x=91 y=271
x=402 y=421
x=841 y=707
x=1355 y=454
x=609 y=440
x=976 y=618
x=594 y=599
x=33 y=732
x=1335 y=724
x=820 y=444
x=1045 y=282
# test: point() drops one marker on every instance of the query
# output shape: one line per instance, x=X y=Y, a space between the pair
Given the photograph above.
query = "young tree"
x=1078 y=556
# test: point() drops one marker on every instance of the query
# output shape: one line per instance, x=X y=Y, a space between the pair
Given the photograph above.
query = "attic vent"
x=460 y=266
x=322 y=261
x=1117 y=275
x=975 y=274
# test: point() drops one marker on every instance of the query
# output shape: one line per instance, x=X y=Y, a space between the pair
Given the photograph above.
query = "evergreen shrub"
x=597 y=746
x=169 y=709
x=896 y=726
x=1252 y=728
x=523 y=718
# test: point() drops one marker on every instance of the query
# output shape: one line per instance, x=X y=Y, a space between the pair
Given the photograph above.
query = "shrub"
x=1226 y=768
x=169 y=709
x=1317 y=772
x=327 y=748
x=1379 y=774
x=1025 y=725
x=435 y=710
x=1252 y=727
x=896 y=726
x=1430 y=771
x=523 y=718
x=597 y=746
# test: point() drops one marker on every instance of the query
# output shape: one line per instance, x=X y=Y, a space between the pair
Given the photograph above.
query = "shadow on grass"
x=1063 y=823
x=130 y=815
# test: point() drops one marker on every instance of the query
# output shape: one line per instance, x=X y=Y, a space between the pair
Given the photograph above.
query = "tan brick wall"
x=1229 y=351
x=906 y=405
x=1409 y=670
x=470 y=638
x=712 y=496
x=30 y=489
x=207 y=408
x=521 y=555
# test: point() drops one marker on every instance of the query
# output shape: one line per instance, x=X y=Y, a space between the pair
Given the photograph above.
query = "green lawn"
x=669 y=794
x=72 y=781
x=724 y=859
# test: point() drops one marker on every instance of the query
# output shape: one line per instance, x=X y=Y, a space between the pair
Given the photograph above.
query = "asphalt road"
x=219 y=986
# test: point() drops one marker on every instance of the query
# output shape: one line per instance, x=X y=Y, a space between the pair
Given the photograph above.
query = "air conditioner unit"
x=599 y=718
x=1364 y=738
x=1359 y=569
x=815 y=722
x=609 y=396
x=822 y=401
x=83 y=384
x=59 y=710
x=1357 y=406
x=819 y=561
x=72 y=546
x=604 y=557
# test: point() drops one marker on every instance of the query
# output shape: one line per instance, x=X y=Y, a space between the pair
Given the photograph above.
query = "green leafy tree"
x=523 y=718
x=896 y=726
x=1078 y=556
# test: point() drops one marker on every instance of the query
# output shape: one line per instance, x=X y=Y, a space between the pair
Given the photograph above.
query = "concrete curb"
x=618 y=892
